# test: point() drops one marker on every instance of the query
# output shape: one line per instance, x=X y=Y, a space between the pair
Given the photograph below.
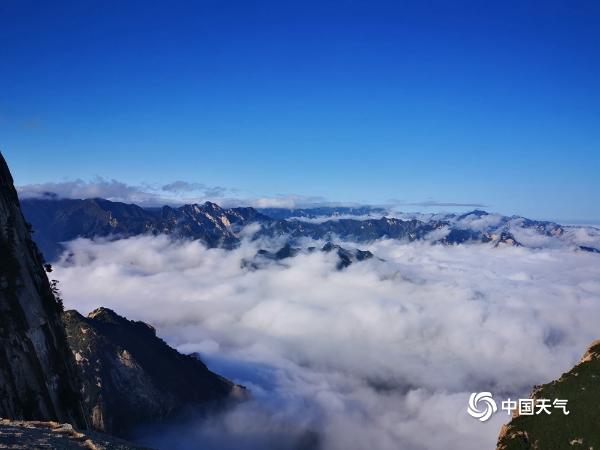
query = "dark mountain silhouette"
x=345 y=257
x=37 y=372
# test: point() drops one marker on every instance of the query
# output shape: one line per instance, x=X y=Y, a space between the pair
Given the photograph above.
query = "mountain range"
x=56 y=221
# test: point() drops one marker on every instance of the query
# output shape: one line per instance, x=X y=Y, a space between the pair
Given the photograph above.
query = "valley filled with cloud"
x=382 y=354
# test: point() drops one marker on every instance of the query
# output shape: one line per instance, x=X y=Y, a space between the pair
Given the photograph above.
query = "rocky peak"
x=107 y=315
x=210 y=206
x=102 y=314
x=593 y=352
x=475 y=212
x=131 y=377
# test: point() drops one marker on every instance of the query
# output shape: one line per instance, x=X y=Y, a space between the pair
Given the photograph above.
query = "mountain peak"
x=5 y=176
x=154 y=381
x=475 y=212
x=211 y=206
x=105 y=315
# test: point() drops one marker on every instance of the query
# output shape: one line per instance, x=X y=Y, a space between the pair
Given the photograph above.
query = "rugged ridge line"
x=60 y=220
x=132 y=377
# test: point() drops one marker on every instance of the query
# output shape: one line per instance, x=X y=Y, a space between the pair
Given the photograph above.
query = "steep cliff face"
x=580 y=429
x=37 y=372
x=131 y=377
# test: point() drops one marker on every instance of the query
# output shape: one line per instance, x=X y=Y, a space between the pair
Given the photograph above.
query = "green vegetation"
x=580 y=429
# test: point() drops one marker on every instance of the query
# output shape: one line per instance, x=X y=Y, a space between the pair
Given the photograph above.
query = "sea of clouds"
x=381 y=355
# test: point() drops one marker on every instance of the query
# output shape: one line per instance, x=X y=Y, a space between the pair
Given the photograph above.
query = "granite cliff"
x=37 y=372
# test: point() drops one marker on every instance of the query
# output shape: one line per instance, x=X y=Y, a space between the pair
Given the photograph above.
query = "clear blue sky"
x=450 y=101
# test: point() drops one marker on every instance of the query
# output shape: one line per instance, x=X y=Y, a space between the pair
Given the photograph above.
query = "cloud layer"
x=146 y=195
x=186 y=192
x=175 y=193
x=381 y=355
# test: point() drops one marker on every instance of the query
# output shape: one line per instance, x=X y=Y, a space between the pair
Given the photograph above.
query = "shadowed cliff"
x=37 y=372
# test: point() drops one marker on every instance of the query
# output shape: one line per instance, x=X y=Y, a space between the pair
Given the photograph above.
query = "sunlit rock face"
x=131 y=377
x=37 y=378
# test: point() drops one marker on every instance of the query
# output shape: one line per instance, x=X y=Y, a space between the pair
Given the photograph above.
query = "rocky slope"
x=130 y=376
x=16 y=434
x=37 y=374
x=580 y=429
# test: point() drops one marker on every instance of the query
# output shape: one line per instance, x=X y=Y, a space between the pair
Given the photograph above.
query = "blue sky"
x=360 y=101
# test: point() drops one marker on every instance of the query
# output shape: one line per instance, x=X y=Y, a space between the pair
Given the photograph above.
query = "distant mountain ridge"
x=321 y=211
x=56 y=221
x=60 y=220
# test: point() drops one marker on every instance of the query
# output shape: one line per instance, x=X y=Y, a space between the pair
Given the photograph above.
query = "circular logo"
x=481 y=406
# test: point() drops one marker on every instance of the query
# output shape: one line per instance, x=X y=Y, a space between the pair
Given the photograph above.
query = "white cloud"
x=434 y=203
x=80 y=189
x=381 y=355
x=175 y=193
x=480 y=223
x=146 y=195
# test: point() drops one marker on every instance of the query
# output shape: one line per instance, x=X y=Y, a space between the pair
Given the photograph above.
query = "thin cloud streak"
x=175 y=193
x=432 y=203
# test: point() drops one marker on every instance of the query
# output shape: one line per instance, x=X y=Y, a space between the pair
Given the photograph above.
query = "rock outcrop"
x=17 y=434
x=346 y=257
x=130 y=376
x=37 y=372
x=580 y=429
